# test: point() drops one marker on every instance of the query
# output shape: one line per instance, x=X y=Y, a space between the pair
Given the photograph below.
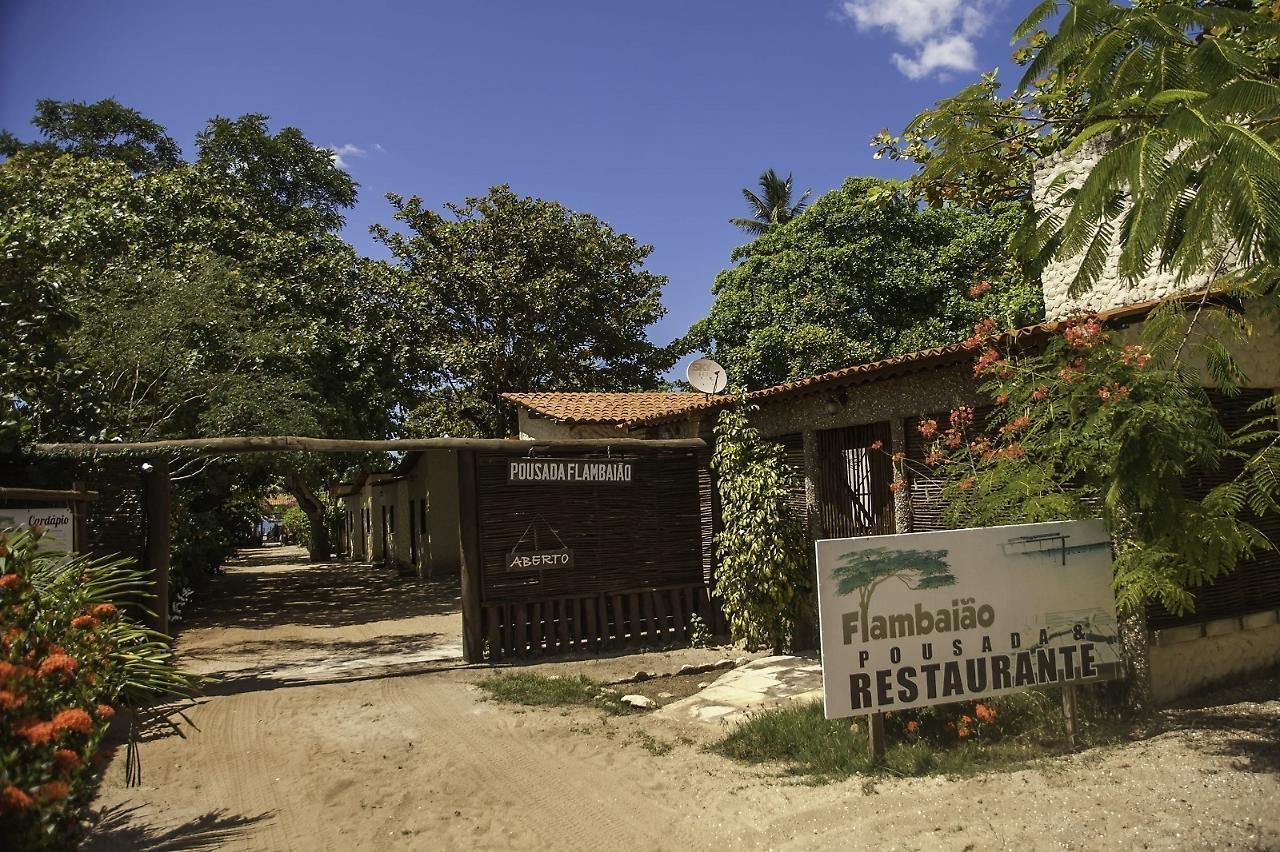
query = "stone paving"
x=760 y=684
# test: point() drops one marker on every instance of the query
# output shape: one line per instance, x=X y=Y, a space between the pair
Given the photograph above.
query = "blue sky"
x=651 y=115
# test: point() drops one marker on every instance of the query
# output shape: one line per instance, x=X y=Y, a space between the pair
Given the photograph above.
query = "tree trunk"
x=318 y=547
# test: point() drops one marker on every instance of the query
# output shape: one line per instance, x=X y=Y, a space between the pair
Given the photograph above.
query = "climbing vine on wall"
x=763 y=575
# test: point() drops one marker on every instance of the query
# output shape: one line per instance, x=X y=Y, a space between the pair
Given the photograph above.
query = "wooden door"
x=852 y=487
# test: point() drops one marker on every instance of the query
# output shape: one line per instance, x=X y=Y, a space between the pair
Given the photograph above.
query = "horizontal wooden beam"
x=47 y=494
x=290 y=443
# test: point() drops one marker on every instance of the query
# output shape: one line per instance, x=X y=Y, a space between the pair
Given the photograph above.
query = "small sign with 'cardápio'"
x=540 y=560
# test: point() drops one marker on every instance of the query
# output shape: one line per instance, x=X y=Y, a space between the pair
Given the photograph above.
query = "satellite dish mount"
x=707 y=376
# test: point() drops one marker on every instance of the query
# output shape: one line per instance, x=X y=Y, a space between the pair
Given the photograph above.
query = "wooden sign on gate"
x=540 y=560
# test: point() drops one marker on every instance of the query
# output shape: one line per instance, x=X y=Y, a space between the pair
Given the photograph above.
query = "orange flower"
x=13 y=799
x=913 y=726
x=10 y=581
x=36 y=733
x=105 y=711
x=1040 y=393
x=962 y=732
x=897 y=486
x=84 y=622
x=73 y=719
x=54 y=790
x=57 y=663
x=8 y=671
x=928 y=428
x=967 y=719
x=966 y=484
x=876 y=445
x=10 y=700
x=66 y=759
x=985 y=713
x=978 y=289
x=104 y=610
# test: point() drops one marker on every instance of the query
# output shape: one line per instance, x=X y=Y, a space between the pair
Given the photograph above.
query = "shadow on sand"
x=270 y=588
x=116 y=829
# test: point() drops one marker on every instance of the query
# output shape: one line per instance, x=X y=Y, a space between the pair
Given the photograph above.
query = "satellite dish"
x=707 y=376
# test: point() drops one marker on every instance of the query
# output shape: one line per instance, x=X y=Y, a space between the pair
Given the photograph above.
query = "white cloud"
x=379 y=148
x=940 y=33
x=339 y=154
x=954 y=53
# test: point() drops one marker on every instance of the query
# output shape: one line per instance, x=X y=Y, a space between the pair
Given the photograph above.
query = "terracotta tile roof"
x=646 y=409
x=620 y=408
x=899 y=365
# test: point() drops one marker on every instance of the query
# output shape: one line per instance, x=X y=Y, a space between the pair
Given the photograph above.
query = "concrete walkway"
x=758 y=685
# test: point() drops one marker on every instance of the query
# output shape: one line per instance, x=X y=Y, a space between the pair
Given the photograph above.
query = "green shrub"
x=763 y=572
x=944 y=739
x=297 y=525
x=70 y=656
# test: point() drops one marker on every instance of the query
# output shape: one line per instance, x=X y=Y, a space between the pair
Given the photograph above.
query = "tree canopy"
x=105 y=130
x=522 y=294
x=860 y=277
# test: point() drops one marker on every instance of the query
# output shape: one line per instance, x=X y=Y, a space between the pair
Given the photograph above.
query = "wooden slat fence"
x=641 y=553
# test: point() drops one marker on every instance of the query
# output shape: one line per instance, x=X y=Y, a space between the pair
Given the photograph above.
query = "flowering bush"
x=69 y=656
x=1091 y=426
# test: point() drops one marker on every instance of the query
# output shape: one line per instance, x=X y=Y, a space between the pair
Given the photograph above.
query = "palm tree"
x=772 y=206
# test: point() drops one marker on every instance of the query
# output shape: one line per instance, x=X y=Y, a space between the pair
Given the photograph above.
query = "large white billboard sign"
x=929 y=618
x=58 y=525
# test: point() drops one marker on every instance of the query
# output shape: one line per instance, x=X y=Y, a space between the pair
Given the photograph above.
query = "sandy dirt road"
x=424 y=762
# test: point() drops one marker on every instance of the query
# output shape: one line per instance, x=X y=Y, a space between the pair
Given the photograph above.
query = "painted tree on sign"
x=864 y=571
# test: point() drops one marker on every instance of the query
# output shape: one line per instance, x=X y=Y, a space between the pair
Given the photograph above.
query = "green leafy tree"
x=211 y=298
x=522 y=295
x=864 y=571
x=773 y=206
x=103 y=130
x=855 y=280
x=1183 y=100
x=1187 y=99
x=297 y=524
x=1183 y=95
x=763 y=566
x=287 y=178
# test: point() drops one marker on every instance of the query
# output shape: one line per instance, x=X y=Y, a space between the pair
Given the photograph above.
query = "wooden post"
x=875 y=736
x=155 y=498
x=469 y=548
x=1069 y=714
x=80 y=519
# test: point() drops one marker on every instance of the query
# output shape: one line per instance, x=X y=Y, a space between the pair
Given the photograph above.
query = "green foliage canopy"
x=854 y=280
x=522 y=295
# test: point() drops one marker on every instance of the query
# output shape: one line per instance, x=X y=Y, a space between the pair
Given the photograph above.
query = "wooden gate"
x=623 y=563
x=852 y=485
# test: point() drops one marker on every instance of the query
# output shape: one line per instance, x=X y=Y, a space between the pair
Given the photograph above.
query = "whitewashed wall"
x=1110 y=291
